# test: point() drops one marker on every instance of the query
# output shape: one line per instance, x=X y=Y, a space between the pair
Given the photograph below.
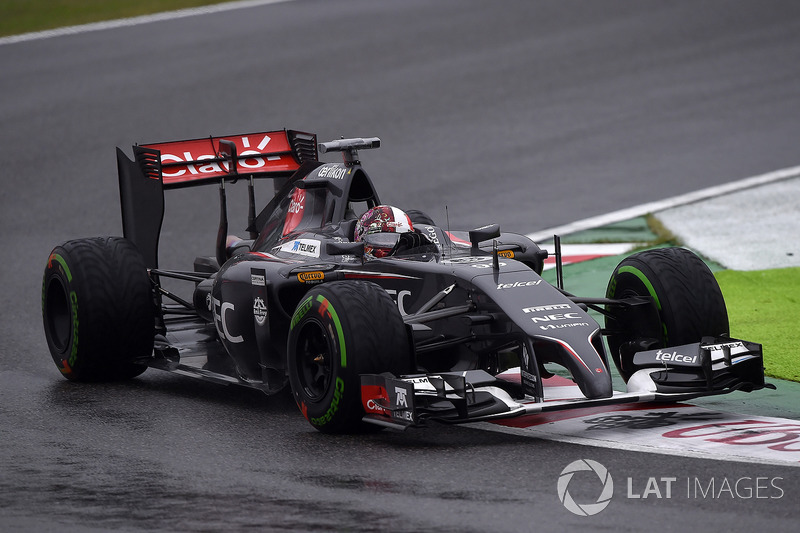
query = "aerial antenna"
x=559 y=264
x=449 y=235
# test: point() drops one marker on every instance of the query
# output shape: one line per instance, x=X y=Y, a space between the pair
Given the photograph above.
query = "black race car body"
x=274 y=310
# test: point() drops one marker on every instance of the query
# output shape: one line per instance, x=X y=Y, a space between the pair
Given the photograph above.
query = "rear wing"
x=178 y=164
x=200 y=161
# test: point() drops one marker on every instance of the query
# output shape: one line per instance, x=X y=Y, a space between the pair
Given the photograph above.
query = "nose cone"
x=586 y=366
x=596 y=385
x=558 y=326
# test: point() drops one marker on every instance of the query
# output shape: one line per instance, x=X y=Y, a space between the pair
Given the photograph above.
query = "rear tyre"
x=97 y=309
x=687 y=303
x=420 y=217
x=339 y=331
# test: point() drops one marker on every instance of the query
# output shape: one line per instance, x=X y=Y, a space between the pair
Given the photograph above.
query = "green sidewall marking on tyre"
x=639 y=274
x=70 y=361
x=339 y=331
x=338 y=392
x=63 y=265
x=302 y=309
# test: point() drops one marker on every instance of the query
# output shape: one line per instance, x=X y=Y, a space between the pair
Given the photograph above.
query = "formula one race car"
x=384 y=318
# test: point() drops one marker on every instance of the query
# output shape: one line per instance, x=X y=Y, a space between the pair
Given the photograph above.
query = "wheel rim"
x=58 y=314
x=314 y=358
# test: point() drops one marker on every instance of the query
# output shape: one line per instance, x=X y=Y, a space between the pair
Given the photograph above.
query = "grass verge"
x=23 y=16
x=763 y=307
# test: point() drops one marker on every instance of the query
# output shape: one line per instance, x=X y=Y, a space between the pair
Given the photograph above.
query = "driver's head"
x=380 y=229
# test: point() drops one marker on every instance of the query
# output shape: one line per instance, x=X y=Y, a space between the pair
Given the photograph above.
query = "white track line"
x=134 y=21
x=675 y=201
x=628 y=446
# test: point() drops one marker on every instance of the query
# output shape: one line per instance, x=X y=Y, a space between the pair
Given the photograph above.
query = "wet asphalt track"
x=531 y=114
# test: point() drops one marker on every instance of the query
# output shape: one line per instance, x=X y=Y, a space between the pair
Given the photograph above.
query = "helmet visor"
x=385 y=241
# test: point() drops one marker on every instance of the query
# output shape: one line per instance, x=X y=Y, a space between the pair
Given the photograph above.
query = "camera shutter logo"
x=585 y=509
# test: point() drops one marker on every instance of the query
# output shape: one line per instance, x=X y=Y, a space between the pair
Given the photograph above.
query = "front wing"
x=714 y=366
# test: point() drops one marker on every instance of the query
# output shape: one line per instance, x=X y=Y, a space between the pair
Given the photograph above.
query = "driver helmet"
x=380 y=229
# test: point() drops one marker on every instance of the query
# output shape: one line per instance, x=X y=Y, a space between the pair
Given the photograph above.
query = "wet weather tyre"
x=420 y=217
x=97 y=309
x=687 y=302
x=339 y=331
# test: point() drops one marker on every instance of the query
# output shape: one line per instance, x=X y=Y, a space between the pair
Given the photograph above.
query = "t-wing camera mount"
x=350 y=147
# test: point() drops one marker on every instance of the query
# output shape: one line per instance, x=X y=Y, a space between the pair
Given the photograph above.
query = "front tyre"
x=339 y=331
x=97 y=309
x=687 y=303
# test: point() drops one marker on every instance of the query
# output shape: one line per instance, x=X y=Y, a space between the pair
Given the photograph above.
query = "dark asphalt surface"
x=530 y=114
